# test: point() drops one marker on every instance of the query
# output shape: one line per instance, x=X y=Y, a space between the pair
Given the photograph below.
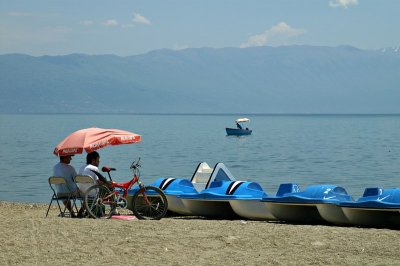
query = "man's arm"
x=100 y=176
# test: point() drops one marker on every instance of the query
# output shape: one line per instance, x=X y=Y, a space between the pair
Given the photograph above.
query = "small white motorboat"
x=239 y=130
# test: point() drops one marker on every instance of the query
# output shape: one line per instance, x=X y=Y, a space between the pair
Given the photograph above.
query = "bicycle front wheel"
x=149 y=203
x=99 y=202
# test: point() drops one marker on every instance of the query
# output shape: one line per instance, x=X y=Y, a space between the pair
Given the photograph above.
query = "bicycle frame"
x=104 y=199
x=125 y=187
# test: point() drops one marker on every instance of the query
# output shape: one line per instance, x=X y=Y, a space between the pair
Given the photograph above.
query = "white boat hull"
x=176 y=205
x=296 y=213
x=251 y=209
x=209 y=208
x=332 y=214
x=373 y=217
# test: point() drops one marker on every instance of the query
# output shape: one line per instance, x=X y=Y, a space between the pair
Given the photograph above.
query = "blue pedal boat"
x=173 y=187
x=292 y=205
x=216 y=201
x=201 y=179
x=377 y=207
x=203 y=176
x=250 y=206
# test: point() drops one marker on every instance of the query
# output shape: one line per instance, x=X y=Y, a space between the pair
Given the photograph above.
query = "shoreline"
x=30 y=238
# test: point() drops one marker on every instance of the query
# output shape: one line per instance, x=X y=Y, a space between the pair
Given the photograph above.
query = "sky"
x=131 y=27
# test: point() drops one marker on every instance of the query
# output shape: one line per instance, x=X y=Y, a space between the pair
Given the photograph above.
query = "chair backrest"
x=83 y=179
x=55 y=183
x=58 y=182
x=83 y=182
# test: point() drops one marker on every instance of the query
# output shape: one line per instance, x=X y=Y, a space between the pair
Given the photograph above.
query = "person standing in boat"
x=239 y=126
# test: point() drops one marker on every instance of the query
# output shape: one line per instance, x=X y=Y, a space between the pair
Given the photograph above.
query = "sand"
x=28 y=238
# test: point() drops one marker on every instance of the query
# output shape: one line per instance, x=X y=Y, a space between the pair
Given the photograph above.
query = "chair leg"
x=74 y=205
x=48 y=209
x=61 y=211
x=68 y=208
x=81 y=211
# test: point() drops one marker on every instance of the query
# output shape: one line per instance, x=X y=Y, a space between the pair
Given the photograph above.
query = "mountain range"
x=286 y=79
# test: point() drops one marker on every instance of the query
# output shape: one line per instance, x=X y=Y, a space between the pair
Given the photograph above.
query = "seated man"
x=91 y=169
x=64 y=169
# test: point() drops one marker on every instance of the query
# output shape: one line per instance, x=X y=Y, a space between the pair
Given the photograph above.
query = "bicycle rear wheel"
x=149 y=203
x=99 y=202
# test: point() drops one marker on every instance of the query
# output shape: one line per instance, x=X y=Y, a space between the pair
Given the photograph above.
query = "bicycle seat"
x=107 y=169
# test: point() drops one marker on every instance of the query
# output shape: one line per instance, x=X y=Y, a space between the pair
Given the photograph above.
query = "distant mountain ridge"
x=286 y=79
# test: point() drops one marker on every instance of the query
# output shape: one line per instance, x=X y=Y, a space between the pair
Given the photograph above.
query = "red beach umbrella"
x=91 y=139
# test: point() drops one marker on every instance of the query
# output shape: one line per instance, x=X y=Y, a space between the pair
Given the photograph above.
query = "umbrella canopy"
x=242 y=120
x=91 y=139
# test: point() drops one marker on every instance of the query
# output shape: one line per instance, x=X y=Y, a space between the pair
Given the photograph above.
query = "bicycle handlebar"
x=135 y=165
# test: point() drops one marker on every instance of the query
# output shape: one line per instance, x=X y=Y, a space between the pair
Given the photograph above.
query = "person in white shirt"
x=92 y=163
x=64 y=169
x=91 y=169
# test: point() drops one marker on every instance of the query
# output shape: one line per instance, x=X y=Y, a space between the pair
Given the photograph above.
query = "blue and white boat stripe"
x=233 y=187
x=166 y=182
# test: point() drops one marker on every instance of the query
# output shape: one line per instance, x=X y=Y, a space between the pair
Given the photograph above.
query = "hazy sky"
x=129 y=27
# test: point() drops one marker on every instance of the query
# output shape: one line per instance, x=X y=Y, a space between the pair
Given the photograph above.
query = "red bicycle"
x=104 y=201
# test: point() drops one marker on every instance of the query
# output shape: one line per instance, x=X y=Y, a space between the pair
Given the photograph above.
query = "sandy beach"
x=28 y=238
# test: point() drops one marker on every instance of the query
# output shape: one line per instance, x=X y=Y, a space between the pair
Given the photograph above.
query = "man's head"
x=93 y=158
x=66 y=159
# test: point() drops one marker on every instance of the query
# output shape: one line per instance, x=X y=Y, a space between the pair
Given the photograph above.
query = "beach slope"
x=28 y=238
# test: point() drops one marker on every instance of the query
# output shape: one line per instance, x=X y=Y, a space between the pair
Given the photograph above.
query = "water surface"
x=355 y=151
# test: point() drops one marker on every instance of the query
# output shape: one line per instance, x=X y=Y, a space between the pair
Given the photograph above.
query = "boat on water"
x=239 y=130
x=377 y=207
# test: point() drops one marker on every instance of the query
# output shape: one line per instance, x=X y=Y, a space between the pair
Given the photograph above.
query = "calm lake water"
x=354 y=151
